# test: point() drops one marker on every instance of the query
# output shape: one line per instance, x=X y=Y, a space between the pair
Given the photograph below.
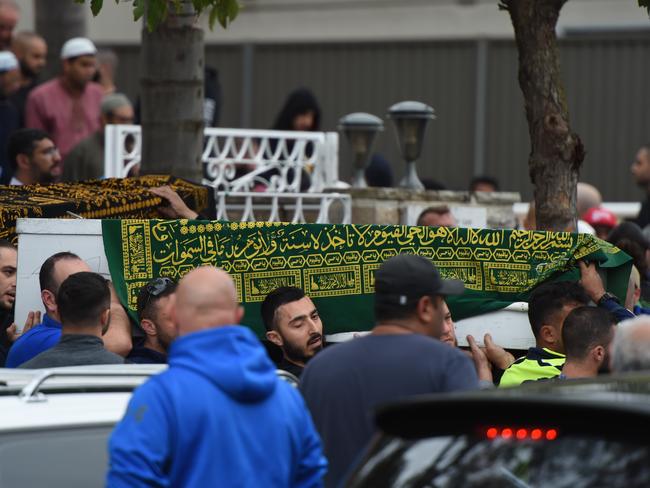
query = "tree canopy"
x=223 y=11
x=646 y=4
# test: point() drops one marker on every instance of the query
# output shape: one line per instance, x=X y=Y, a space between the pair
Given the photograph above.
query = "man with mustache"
x=33 y=157
x=31 y=51
x=293 y=324
x=8 y=259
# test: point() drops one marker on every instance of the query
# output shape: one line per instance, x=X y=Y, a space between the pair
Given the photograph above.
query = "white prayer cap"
x=77 y=46
x=7 y=61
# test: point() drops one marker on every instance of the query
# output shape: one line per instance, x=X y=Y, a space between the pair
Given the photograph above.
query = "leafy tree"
x=224 y=11
x=556 y=152
x=172 y=66
x=646 y=4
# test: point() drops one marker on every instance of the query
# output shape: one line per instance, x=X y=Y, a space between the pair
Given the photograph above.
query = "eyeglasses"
x=51 y=151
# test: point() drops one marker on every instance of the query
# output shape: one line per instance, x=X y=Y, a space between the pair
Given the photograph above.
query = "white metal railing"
x=265 y=166
x=287 y=207
x=242 y=159
x=122 y=149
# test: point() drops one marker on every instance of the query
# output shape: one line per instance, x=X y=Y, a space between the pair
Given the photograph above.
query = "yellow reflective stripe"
x=531 y=369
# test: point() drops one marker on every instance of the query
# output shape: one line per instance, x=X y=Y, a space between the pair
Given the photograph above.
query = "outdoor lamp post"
x=360 y=129
x=411 y=120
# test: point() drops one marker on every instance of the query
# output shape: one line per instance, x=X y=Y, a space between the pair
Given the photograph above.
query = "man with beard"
x=68 y=106
x=154 y=312
x=8 y=258
x=31 y=51
x=293 y=324
x=587 y=334
x=33 y=157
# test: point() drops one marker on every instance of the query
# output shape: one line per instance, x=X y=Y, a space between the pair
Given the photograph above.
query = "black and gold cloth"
x=335 y=264
x=95 y=199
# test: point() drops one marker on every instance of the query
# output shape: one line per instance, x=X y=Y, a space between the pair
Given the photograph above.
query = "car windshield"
x=477 y=461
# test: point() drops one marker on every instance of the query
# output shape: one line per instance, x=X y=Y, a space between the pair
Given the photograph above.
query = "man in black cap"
x=401 y=357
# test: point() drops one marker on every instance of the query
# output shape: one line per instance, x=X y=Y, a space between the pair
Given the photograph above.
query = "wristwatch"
x=608 y=296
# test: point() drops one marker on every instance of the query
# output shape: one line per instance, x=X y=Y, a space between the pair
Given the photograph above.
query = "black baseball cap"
x=407 y=276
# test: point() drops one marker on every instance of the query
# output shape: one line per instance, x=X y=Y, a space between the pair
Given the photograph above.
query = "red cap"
x=600 y=216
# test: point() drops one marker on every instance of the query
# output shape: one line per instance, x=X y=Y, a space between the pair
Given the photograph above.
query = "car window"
x=475 y=461
x=70 y=458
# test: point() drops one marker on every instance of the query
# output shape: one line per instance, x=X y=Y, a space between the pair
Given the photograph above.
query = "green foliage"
x=646 y=4
x=223 y=11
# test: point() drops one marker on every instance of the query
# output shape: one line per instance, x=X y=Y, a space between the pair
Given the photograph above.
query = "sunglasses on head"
x=155 y=288
x=158 y=286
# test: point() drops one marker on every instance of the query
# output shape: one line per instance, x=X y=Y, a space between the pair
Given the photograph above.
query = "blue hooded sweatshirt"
x=219 y=416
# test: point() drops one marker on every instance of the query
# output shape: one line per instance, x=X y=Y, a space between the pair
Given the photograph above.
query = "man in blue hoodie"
x=219 y=416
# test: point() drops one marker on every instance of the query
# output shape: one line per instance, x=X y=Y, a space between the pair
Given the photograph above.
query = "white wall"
x=341 y=20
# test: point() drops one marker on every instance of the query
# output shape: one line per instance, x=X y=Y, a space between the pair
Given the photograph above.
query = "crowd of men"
x=222 y=377
x=53 y=130
x=220 y=412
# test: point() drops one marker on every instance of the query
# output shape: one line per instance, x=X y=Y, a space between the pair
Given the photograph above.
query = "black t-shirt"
x=343 y=384
x=6 y=319
x=643 y=218
x=292 y=368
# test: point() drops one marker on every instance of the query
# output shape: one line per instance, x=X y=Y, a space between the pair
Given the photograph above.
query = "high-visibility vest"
x=537 y=364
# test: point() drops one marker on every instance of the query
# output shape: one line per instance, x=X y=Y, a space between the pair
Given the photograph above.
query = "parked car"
x=54 y=424
x=586 y=433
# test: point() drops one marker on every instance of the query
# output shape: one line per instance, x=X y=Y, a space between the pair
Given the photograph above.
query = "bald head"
x=31 y=51
x=206 y=297
x=631 y=347
x=588 y=197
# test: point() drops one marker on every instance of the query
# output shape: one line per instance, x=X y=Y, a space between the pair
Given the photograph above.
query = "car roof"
x=72 y=396
x=79 y=377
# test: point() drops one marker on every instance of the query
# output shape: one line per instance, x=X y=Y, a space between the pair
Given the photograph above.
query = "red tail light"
x=520 y=433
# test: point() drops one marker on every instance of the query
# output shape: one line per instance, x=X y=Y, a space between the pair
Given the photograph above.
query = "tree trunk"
x=172 y=63
x=556 y=152
x=57 y=22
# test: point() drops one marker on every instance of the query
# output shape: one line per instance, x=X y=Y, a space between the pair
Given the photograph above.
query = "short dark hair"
x=277 y=298
x=46 y=274
x=23 y=141
x=585 y=328
x=148 y=298
x=5 y=244
x=489 y=180
x=436 y=209
x=82 y=298
x=548 y=299
x=386 y=310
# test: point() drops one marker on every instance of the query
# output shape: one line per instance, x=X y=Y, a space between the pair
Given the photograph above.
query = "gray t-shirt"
x=343 y=385
x=74 y=350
